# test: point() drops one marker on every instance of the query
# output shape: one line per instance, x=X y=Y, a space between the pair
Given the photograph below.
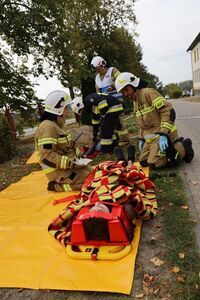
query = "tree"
x=7 y=146
x=15 y=88
x=186 y=85
x=173 y=90
x=65 y=33
x=62 y=36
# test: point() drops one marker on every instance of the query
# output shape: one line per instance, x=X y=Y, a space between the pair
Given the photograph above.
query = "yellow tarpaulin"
x=31 y=258
x=33 y=159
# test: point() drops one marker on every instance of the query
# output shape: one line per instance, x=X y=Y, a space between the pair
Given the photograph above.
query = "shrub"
x=7 y=145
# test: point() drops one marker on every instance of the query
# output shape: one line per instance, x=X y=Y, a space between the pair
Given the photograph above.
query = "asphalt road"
x=188 y=124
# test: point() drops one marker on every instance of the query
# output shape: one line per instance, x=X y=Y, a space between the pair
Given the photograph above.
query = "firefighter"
x=159 y=144
x=105 y=111
x=56 y=150
x=105 y=83
x=105 y=78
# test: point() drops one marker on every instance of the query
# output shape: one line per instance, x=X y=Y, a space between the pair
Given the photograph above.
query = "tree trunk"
x=11 y=123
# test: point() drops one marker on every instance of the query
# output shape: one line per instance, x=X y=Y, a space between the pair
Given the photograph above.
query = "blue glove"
x=140 y=145
x=98 y=146
x=163 y=142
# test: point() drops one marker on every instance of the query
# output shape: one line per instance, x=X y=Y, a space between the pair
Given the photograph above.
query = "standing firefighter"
x=105 y=83
x=105 y=78
x=56 y=150
x=105 y=111
x=159 y=144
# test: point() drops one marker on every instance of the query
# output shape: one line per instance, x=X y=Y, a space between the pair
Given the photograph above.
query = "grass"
x=179 y=237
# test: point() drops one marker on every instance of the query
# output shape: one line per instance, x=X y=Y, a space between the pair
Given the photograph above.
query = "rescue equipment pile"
x=109 y=182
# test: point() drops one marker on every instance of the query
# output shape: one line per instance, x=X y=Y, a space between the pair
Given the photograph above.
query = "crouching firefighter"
x=159 y=144
x=105 y=111
x=55 y=148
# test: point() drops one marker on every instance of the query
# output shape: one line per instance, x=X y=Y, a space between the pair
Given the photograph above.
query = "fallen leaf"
x=180 y=279
x=157 y=261
x=157 y=226
x=151 y=291
x=146 y=290
x=138 y=296
x=184 y=206
x=156 y=291
x=193 y=220
x=153 y=240
x=194 y=182
x=175 y=270
x=147 y=279
x=181 y=255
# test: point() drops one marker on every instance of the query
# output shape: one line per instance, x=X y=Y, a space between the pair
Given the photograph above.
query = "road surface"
x=188 y=123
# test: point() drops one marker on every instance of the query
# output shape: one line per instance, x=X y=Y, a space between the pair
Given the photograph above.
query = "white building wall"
x=196 y=68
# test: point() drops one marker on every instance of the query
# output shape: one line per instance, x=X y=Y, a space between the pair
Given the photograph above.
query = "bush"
x=7 y=146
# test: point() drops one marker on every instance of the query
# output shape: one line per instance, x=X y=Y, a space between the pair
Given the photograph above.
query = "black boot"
x=51 y=186
x=131 y=153
x=189 y=152
x=119 y=154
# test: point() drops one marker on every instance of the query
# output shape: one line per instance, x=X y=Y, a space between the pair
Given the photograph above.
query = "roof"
x=196 y=40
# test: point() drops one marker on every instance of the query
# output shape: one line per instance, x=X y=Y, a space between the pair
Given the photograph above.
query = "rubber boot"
x=119 y=154
x=189 y=152
x=131 y=153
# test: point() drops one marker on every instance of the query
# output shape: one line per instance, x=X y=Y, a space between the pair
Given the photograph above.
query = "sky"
x=165 y=30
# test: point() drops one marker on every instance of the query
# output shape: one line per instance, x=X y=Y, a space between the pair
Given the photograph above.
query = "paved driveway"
x=188 y=123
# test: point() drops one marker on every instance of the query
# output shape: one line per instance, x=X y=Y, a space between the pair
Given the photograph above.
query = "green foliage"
x=7 y=146
x=173 y=90
x=128 y=106
x=61 y=37
x=153 y=82
x=186 y=85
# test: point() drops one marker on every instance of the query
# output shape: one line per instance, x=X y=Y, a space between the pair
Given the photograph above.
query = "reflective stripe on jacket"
x=54 y=146
x=154 y=114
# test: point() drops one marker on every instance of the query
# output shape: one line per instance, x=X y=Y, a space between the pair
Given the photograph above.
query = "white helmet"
x=56 y=101
x=124 y=79
x=98 y=61
x=77 y=105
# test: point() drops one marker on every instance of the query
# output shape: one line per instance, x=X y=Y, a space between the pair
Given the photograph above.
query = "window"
x=195 y=55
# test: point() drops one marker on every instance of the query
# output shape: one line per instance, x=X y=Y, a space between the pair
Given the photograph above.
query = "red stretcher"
x=121 y=232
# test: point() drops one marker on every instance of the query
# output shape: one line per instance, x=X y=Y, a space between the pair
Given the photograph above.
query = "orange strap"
x=66 y=199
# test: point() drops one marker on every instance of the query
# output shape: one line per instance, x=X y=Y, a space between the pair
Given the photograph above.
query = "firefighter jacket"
x=101 y=105
x=55 y=147
x=154 y=114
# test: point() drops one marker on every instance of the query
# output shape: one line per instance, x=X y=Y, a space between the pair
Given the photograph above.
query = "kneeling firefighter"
x=56 y=150
x=159 y=144
x=105 y=111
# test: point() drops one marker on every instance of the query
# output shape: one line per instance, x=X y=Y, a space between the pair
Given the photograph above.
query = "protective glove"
x=98 y=146
x=163 y=142
x=91 y=149
x=140 y=145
